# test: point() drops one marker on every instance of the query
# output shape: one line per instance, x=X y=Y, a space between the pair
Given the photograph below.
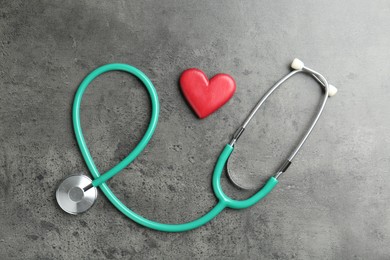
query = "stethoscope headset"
x=77 y=193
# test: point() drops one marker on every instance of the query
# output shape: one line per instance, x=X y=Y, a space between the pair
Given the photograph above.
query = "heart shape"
x=206 y=96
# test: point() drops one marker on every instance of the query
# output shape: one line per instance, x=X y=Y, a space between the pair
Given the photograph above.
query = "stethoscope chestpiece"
x=73 y=196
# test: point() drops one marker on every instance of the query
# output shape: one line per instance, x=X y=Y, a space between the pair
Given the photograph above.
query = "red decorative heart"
x=206 y=96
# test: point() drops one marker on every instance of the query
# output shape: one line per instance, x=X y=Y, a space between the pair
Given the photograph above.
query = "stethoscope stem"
x=86 y=188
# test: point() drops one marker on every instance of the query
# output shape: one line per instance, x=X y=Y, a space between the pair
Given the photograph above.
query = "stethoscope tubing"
x=99 y=179
x=224 y=201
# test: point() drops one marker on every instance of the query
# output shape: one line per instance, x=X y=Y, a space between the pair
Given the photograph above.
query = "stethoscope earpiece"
x=297 y=64
x=332 y=90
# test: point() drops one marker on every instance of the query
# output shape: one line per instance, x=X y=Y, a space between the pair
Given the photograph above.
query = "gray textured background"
x=333 y=203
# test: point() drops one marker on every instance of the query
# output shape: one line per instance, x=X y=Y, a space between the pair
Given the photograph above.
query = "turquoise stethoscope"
x=77 y=193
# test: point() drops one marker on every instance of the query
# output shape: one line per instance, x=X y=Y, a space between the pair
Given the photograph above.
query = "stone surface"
x=333 y=203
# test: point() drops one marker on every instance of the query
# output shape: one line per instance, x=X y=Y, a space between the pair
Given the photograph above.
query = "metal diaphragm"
x=71 y=195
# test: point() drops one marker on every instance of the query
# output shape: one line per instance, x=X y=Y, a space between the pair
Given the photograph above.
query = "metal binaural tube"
x=308 y=132
x=323 y=83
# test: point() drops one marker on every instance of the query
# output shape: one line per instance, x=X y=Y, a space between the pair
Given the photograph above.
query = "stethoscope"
x=77 y=193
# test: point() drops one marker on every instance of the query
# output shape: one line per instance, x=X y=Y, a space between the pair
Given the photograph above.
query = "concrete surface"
x=333 y=203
